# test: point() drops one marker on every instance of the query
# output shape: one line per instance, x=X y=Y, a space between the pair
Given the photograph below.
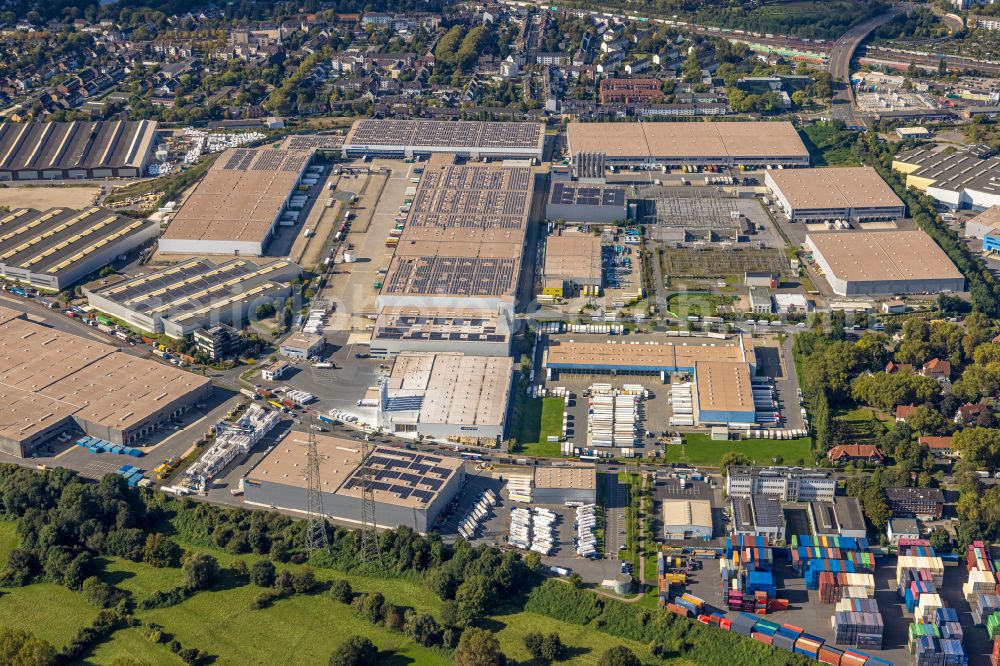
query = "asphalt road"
x=840 y=66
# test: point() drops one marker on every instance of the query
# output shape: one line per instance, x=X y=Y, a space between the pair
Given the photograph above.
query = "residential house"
x=970 y=413
x=904 y=412
x=892 y=367
x=894 y=307
x=844 y=453
x=941 y=446
x=936 y=368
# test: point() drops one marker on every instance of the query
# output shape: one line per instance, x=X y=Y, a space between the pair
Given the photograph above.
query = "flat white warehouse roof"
x=883 y=256
x=833 y=187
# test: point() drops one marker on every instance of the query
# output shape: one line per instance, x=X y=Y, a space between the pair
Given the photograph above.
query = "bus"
x=105 y=321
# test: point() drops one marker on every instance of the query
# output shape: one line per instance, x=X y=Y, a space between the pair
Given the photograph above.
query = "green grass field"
x=699 y=449
x=542 y=418
x=702 y=304
x=51 y=612
x=827 y=145
x=131 y=643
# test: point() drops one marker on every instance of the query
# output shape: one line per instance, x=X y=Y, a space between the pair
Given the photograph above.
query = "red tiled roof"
x=937 y=443
x=904 y=411
x=855 y=451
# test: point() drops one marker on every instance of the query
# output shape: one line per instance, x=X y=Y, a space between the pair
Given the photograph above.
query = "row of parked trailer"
x=533 y=529
x=301 y=397
x=765 y=403
x=682 y=404
x=474 y=519
x=316 y=322
x=98 y=445
x=612 y=419
x=585 y=540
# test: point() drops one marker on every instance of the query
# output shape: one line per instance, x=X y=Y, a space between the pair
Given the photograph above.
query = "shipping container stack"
x=918 y=555
x=814 y=558
x=981 y=590
x=995 y=656
x=747 y=577
x=857 y=622
x=667 y=576
x=794 y=639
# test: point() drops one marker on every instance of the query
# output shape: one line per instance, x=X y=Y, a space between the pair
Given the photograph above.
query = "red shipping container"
x=677 y=610
x=851 y=659
x=828 y=657
x=762 y=638
x=725 y=624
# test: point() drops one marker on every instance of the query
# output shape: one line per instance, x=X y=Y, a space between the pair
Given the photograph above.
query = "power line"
x=316 y=536
x=370 y=552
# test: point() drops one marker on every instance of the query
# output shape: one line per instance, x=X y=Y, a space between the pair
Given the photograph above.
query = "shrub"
x=99 y=593
x=340 y=590
x=262 y=573
x=304 y=580
x=563 y=602
x=355 y=651
x=199 y=569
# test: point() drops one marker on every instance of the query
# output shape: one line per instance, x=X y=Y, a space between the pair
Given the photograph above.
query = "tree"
x=262 y=573
x=340 y=590
x=355 y=651
x=372 y=607
x=799 y=98
x=980 y=447
x=160 y=551
x=533 y=643
x=21 y=648
x=304 y=580
x=552 y=648
x=734 y=458
x=474 y=596
x=422 y=628
x=478 y=647
x=97 y=592
x=199 y=570
x=928 y=421
x=619 y=655
x=940 y=540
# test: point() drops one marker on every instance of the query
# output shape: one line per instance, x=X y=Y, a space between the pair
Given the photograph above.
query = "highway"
x=840 y=66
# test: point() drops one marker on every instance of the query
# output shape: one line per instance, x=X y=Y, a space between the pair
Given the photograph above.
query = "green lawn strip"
x=51 y=612
x=584 y=645
x=132 y=643
x=8 y=539
x=303 y=629
x=543 y=417
x=702 y=450
x=139 y=578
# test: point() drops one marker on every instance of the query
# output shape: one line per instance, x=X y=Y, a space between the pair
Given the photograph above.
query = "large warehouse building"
x=196 y=293
x=687 y=519
x=447 y=395
x=573 y=262
x=76 y=150
x=964 y=178
x=473 y=332
x=986 y=227
x=723 y=393
x=54 y=249
x=55 y=382
x=238 y=203
x=883 y=263
x=410 y=488
x=857 y=194
x=588 y=203
x=463 y=239
x=423 y=138
x=651 y=358
x=565 y=483
x=678 y=144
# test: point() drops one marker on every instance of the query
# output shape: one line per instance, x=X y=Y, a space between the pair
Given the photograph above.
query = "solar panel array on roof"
x=404 y=473
x=438 y=133
x=570 y=194
x=472 y=276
